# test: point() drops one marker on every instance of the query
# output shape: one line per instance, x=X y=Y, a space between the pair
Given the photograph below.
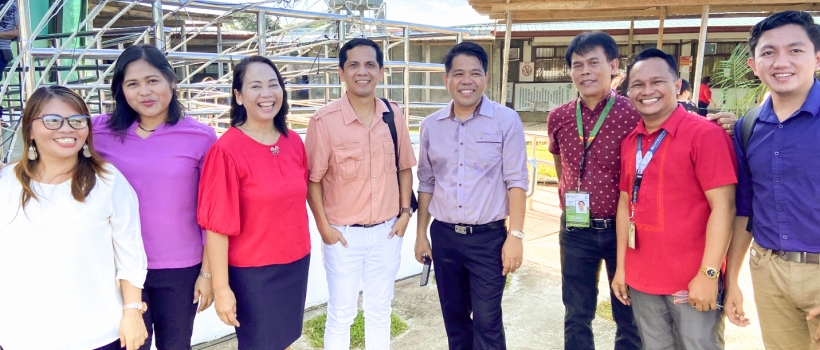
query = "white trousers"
x=371 y=260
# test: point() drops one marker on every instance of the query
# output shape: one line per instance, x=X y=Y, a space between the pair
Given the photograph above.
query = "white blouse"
x=61 y=262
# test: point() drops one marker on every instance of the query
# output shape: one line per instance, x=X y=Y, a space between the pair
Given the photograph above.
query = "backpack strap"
x=390 y=120
x=747 y=127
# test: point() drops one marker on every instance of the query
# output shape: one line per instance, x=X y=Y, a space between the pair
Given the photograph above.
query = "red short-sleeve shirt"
x=671 y=214
x=257 y=198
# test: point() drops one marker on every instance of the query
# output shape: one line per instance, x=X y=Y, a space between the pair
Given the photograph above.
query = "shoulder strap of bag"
x=747 y=127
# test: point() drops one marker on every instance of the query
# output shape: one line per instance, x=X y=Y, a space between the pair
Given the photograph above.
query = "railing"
x=301 y=45
x=535 y=162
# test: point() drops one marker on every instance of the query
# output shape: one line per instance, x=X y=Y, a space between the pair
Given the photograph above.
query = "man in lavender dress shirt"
x=472 y=176
x=778 y=186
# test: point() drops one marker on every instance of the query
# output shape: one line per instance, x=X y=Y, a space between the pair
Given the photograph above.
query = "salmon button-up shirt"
x=356 y=164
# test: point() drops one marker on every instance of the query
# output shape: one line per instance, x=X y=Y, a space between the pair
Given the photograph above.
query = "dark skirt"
x=270 y=304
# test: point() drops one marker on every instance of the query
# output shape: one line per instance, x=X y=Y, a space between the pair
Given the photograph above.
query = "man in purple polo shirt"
x=472 y=176
x=778 y=187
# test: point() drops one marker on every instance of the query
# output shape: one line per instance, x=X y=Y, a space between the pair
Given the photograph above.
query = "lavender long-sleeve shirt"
x=469 y=166
x=164 y=171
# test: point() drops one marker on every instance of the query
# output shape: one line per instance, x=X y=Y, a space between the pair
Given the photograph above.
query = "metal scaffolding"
x=301 y=43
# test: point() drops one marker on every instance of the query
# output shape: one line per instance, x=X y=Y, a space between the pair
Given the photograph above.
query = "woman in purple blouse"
x=160 y=151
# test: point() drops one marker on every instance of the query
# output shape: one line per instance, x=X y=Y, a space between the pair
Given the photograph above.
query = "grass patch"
x=604 y=310
x=542 y=152
x=314 y=330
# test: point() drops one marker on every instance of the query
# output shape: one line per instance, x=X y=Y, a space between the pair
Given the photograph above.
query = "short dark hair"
x=588 y=41
x=684 y=86
x=123 y=116
x=238 y=113
x=468 y=49
x=777 y=20
x=653 y=53
x=707 y=80
x=360 y=42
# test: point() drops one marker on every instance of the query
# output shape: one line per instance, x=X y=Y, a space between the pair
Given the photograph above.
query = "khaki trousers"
x=784 y=293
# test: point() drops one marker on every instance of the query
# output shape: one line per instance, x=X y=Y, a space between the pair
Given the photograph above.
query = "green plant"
x=741 y=89
x=314 y=330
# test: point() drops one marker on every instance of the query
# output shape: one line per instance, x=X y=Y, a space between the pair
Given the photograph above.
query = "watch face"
x=712 y=273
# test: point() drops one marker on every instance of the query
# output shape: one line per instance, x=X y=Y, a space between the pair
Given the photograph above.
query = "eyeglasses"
x=55 y=122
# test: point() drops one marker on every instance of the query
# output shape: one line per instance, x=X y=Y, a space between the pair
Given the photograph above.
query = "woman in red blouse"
x=252 y=203
x=705 y=95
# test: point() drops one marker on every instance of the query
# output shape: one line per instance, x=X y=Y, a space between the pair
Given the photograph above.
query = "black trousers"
x=171 y=310
x=468 y=277
x=702 y=108
x=582 y=250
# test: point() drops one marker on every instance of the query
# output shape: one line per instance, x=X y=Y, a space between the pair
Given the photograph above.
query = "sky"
x=443 y=13
x=434 y=12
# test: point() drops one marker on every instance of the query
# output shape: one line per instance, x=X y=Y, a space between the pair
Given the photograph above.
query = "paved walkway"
x=533 y=313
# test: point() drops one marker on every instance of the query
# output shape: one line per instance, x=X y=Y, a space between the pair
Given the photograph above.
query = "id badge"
x=577 y=209
x=631 y=235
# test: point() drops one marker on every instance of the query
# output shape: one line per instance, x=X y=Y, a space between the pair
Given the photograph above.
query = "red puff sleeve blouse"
x=257 y=198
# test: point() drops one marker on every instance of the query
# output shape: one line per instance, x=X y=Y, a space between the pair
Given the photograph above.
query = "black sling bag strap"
x=747 y=127
x=389 y=119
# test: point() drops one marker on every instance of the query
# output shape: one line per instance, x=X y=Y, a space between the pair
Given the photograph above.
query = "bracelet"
x=133 y=306
x=205 y=275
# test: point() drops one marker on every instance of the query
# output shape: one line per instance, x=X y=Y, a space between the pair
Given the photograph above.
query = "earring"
x=32 y=153
x=86 y=151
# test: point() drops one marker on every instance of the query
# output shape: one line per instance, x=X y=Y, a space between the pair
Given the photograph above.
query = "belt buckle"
x=462 y=229
x=798 y=257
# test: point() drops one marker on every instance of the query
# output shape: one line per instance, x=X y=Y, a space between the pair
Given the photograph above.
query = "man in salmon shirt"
x=675 y=213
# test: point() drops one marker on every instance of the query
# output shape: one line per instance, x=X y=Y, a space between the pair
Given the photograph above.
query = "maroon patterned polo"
x=603 y=168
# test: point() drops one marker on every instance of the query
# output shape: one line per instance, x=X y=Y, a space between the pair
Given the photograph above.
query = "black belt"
x=367 y=225
x=798 y=257
x=470 y=229
x=597 y=224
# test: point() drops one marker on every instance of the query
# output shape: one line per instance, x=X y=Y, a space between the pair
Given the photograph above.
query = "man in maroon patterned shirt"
x=587 y=161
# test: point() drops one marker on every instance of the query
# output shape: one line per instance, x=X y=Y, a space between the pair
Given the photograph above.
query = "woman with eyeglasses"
x=160 y=151
x=72 y=261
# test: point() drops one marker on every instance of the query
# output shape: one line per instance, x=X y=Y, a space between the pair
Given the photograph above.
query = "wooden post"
x=660 y=28
x=704 y=24
x=505 y=67
x=631 y=34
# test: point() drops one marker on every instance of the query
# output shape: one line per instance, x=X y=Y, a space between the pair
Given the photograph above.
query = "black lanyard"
x=641 y=162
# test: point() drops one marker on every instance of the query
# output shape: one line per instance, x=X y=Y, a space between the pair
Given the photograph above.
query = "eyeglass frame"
x=63 y=120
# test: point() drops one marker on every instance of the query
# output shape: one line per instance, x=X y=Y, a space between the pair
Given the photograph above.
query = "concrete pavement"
x=533 y=312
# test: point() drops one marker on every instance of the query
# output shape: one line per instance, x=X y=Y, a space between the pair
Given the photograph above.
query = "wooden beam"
x=704 y=24
x=505 y=67
x=660 y=28
x=631 y=34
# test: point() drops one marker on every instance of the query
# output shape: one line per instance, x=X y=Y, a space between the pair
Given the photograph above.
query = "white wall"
x=208 y=327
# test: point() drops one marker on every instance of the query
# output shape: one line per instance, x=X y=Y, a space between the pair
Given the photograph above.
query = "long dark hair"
x=238 y=113
x=88 y=168
x=123 y=115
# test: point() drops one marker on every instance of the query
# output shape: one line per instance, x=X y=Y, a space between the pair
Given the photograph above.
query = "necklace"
x=144 y=129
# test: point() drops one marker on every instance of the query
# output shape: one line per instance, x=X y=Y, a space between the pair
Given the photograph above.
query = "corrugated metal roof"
x=487 y=28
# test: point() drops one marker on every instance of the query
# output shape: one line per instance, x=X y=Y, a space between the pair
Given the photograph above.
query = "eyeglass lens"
x=54 y=122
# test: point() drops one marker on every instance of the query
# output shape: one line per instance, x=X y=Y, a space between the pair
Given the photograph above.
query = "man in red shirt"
x=674 y=221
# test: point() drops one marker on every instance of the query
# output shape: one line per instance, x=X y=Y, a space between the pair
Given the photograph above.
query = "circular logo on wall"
x=526 y=70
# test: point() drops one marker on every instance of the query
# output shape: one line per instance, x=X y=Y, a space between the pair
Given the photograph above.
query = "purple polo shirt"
x=164 y=171
x=784 y=161
x=469 y=166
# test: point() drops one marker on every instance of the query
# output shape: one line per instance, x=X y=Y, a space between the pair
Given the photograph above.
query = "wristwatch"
x=409 y=211
x=517 y=234
x=710 y=272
